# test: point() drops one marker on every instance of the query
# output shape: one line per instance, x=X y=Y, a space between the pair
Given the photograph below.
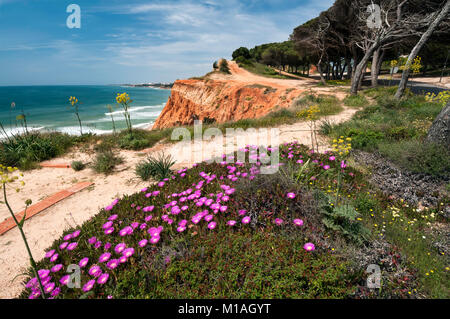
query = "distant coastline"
x=166 y=86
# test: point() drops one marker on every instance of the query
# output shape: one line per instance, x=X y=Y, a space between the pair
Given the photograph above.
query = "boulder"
x=440 y=129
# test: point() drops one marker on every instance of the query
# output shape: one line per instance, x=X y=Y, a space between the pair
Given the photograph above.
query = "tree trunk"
x=319 y=69
x=440 y=130
x=374 y=69
x=360 y=69
x=405 y=76
x=349 y=69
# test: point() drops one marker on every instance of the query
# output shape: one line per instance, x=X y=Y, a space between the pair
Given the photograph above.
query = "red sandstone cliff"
x=224 y=98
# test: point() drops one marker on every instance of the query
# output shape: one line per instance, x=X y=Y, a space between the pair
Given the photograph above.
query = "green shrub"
x=242 y=60
x=380 y=91
x=223 y=67
x=25 y=151
x=356 y=101
x=328 y=105
x=365 y=139
x=133 y=141
x=106 y=161
x=77 y=166
x=401 y=133
x=155 y=167
x=326 y=127
x=419 y=157
x=365 y=204
x=388 y=102
x=234 y=265
x=342 y=219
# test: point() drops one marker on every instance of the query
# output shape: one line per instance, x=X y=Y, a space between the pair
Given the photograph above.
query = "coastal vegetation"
x=155 y=167
x=312 y=229
x=201 y=233
x=397 y=130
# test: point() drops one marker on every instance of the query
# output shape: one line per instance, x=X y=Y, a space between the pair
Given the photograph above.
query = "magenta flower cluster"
x=191 y=207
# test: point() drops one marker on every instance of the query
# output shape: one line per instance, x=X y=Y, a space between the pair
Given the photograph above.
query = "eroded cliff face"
x=222 y=100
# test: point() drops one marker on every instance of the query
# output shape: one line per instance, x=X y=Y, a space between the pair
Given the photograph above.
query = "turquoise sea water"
x=47 y=107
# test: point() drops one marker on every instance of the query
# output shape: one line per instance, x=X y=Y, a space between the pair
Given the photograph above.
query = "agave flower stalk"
x=124 y=100
x=74 y=103
x=110 y=109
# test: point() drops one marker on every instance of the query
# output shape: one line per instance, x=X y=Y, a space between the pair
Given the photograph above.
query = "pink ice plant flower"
x=212 y=225
x=309 y=247
x=56 y=268
x=298 y=222
x=83 y=262
x=89 y=285
x=109 y=231
x=49 y=253
x=104 y=257
x=107 y=225
x=95 y=271
x=113 y=263
x=290 y=195
x=120 y=248
x=231 y=223
x=49 y=287
x=154 y=239
x=128 y=252
x=64 y=280
x=76 y=233
x=103 y=279
x=278 y=221
x=246 y=220
x=143 y=243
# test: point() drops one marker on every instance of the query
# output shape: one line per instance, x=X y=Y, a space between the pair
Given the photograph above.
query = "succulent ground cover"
x=224 y=230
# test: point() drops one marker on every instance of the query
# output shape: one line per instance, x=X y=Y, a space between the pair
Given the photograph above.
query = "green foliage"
x=388 y=122
x=328 y=105
x=157 y=168
x=263 y=70
x=105 y=162
x=258 y=265
x=356 y=101
x=133 y=142
x=25 y=151
x=223 y=66
x=419 y=157
x=365 y=139
x=240 y=60
x=241 y=52
x=342 y=219
x=77 y=166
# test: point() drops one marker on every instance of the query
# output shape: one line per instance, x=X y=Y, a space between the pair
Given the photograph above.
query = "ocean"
x=47 y=107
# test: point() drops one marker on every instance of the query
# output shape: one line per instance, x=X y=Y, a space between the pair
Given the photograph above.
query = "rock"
x=440 y=129
x=222 y=101
x=390 y=179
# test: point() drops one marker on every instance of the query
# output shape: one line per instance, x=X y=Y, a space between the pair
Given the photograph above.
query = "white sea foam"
x=20 y=130
x=137 y=108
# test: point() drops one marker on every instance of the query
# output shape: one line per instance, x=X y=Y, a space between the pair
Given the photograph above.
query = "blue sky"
x=136 y=41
